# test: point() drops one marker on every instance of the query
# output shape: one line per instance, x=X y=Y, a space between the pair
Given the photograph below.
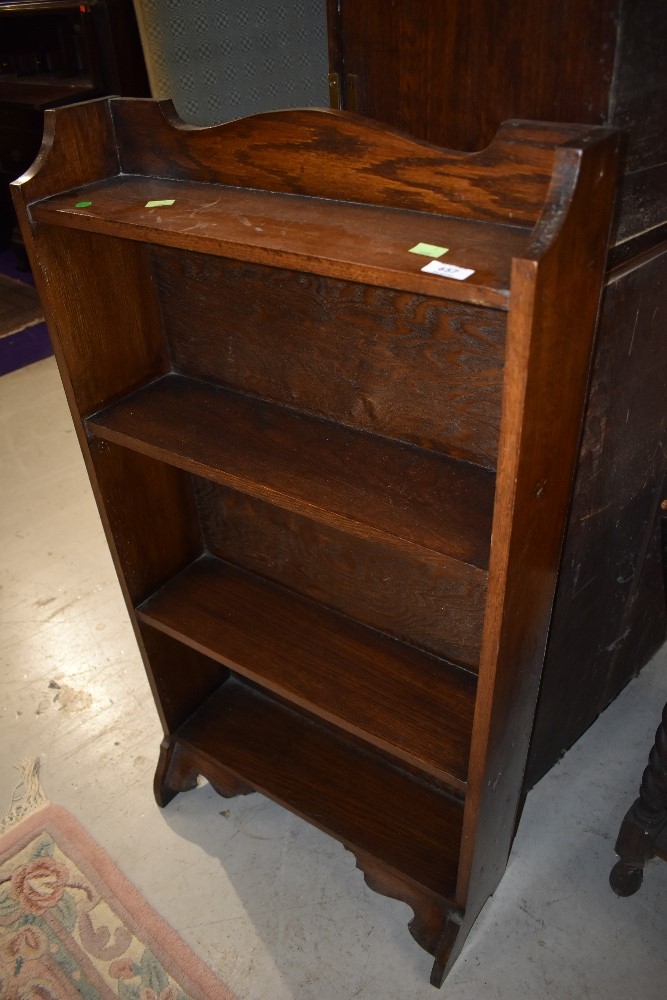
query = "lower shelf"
x=416 y=706
x=243 y=740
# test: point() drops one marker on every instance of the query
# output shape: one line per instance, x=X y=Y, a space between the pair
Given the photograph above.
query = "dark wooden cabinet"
x=55 y=52
x=335 y=484
x=449 y=73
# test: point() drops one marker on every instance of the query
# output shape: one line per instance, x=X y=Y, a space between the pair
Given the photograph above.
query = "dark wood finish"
x=643 y=833
x=146 y=502
x=277 y=229
x=102 y=371
x=363 y=483
x=318 y=467
x=390 y=363
x=450 y=74
x=605 y=627
x=274 y=638
x=540 y=420
x=369 y=802
x=181 y=677
x=419 y=64
x=320 y=152
x=407 y=591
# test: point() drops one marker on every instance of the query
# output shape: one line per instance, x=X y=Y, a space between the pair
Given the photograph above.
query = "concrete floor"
x=277 y=909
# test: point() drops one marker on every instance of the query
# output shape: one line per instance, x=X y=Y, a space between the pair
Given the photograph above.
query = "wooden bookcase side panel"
x=150 y=517
x=151 y=513
x=182 y=679
x=548 y=332
x=415 y=707
x=102 y=313
x=369 y=803
x=411 y=594
x=78 y=148
x=363 y=483
x=326 y=154
x=392 y=363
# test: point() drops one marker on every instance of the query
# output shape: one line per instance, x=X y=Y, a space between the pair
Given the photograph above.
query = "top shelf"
x=319 y=191
x=346 y=240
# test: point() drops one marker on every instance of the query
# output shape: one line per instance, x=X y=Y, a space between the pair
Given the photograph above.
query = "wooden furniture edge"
x=532 y=497
x=334 y=155
x=523 y=485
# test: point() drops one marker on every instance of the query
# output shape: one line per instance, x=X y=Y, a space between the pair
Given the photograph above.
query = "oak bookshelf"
x=334 y=485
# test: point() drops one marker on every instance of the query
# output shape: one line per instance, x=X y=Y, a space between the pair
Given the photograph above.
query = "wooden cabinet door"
x=451 y=72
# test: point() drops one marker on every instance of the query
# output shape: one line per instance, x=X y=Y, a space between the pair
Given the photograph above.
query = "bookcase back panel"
x=390 y=362
x=326 y=154
x=418 y=596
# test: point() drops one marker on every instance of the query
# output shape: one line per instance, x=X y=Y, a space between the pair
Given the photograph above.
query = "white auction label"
x=447 y=270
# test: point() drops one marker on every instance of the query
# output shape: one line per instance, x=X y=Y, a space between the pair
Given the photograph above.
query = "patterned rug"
x=71 y=925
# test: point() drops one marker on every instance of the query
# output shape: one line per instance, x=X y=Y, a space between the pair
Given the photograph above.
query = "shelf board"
x=40 y=91
x=358 y=798
x=344 y=239
x=371 y=486
x=409 y=703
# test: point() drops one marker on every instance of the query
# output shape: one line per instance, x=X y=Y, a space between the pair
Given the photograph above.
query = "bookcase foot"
x=436 y=921
x=229 y=786
x=173 y=774
x=445 y=947
x=178 y=769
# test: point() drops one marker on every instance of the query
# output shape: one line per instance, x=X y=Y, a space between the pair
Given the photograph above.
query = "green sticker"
x=428 y=250
x=83 y=204
x=161 y=203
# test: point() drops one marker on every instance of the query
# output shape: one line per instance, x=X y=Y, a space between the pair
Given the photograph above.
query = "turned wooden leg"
x=643 y=833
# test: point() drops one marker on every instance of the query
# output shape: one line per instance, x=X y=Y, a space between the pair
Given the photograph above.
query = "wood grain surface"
x=362 y=482
x=370 y=804
x=408 y=592
x=361 y=243
x=405 y=366
x=416 y=706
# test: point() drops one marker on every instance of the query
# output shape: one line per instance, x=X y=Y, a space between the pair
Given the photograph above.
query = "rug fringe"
x=28 y=795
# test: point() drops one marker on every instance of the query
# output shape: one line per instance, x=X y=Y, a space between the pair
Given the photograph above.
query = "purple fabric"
x=32 y=344
x=9 y=268
x=23 y=348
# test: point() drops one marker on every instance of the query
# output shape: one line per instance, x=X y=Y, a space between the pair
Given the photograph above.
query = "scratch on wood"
x=634 y=329
x=617 y=642
x=598 y=510
x=584 y=586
